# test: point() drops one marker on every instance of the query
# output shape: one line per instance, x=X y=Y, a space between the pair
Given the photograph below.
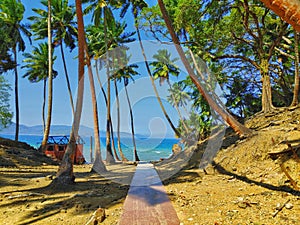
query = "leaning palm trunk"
x=237 y=127
x=153 y=84
x=65 y=173
x=16 y=95
x=67 y=77
x=177 y=108
x=297 y=78
x=288 y=10
x=111 y=126
x=135 y=155
x=118 y=123
x=98 y=165
x=44 y=104
x=109 y=156
x=50 y=80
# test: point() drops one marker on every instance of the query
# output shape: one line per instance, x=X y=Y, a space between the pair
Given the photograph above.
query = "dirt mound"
x=14 y=154
x=272 y=154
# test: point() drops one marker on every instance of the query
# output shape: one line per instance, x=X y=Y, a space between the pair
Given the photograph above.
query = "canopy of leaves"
x=5 y=113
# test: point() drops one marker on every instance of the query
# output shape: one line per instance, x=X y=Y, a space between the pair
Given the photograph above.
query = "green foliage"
x=164 y=66
x=37 y=63
x=63 y=24
x=5 y=113
x=11 y=15
x=6 y=62
x=99 y=42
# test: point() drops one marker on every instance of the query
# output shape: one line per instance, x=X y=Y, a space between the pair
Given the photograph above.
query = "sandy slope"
x=243 y=186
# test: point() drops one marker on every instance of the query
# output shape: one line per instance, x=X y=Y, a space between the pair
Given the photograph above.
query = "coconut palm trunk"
x=297 y=78
x=111 y=126
x=109 y=155
x=67 y=77
x=237 y=127
x=44 y=104
x=124 y=159
x=153 y=84
x=177 y=108
x=98 y=165
x=65 y=174
x=50 y=81
x=16 y=95
x=135 y=155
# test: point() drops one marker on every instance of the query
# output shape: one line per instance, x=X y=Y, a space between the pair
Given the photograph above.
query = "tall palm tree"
x=105 y=99
x=178 y=98
x=237 y=127
x=97 y=48
x=137 y=6
x=101 y=10
x=125 y=72
x=115 y=78
x=6 y=61
x=63 y=28
x=65 y=174
x=163 y=67
x=37 y=69
x=50 y=81
x=11 y=14
x=98 y=165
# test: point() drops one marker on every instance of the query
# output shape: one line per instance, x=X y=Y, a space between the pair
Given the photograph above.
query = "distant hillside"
x=84 y=131
x=38 y=130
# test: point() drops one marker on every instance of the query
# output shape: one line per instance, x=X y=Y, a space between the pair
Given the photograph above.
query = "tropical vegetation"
x=233 y=58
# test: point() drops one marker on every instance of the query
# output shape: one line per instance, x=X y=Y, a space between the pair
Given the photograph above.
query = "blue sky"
x=147 y=113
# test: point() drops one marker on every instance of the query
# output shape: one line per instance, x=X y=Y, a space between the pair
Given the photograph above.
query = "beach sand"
x=243 y=185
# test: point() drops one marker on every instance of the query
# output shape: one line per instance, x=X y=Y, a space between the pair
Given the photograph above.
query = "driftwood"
x=280 y=208
x=292 y=152
x=97 y=217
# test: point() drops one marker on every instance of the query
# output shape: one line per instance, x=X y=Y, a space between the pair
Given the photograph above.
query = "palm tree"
x=11 y=14
x=178 y=98
x=126 y=72
x=37 y=69
x=6 y=61
x=137 y=6
x=115 y=78
x=97 y=48
x=63 y=28
x=101 y=10
x=50 y=78
x=105 y=99
x=238 y=127
x=163 y=67
x=65 y=173
x=98 y=165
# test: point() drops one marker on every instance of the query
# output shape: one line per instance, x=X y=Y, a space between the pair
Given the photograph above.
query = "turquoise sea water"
x=148 y=148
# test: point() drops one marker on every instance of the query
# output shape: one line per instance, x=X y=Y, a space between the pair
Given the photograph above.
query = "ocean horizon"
x=148 y=149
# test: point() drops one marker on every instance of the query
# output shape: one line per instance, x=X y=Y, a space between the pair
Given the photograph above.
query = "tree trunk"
x=297 y=78
x=98 y=165
x=16 y=95
x=135 y=155
x=109 y=156
x=153 y=84
x=111 y=126
x=67 y=78
x=177 y=108
x=44 y=105
x=227 y=117
x=50 y=80
x=118 y=123
x=65 y=173
x=266 y=97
